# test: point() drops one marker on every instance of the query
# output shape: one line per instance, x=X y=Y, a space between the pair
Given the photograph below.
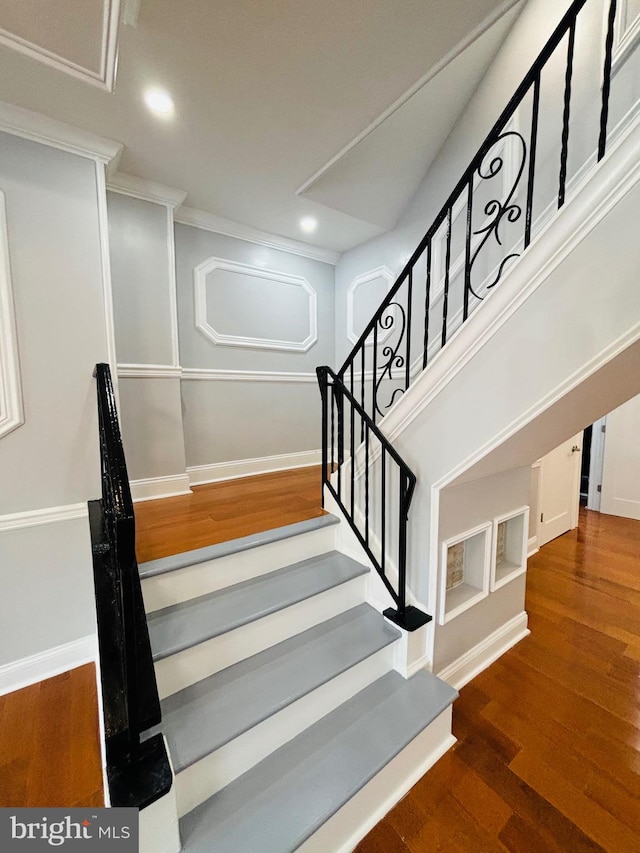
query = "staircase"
x=295 y=714
x=287 y=726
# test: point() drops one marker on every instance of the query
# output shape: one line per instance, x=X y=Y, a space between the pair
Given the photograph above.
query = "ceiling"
x=283 y=108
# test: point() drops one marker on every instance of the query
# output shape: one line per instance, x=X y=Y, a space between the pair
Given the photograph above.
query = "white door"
x=559 y=501
x=621 y=468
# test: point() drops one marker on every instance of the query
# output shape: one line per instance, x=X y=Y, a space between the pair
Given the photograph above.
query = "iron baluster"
x=322 y=382
x=566 y=113
x=352 y=450
x=407 y=366
x=447 y=263
x=427 y=307
x=374 y=388
x=366 y=481
x=606 y=80
x=533 y=142
x=383 y=503
x=362 y=390
x=467 y=255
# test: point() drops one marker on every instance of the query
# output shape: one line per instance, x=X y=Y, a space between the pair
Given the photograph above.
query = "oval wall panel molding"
x=372 y=277
x=215 y=279
x=11 y=412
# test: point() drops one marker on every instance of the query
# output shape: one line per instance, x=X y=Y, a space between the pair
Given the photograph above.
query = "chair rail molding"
x=11 y=409
x=209 y=266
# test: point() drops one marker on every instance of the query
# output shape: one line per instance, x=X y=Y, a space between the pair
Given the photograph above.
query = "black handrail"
x=138 y=769
x=377 y=482
x=393 y=368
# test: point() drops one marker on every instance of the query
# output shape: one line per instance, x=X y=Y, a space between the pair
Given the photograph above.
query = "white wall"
x=52 y=460
x=229 y=418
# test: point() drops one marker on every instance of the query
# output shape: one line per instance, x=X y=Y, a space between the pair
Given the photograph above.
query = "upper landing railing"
x=487 y=221
x=515 y=182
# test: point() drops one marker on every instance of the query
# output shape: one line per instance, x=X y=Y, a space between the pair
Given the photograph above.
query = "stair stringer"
x=553 y=348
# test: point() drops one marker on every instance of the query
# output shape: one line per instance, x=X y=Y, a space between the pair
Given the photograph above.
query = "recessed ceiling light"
x=308 y=224
x=159 y=102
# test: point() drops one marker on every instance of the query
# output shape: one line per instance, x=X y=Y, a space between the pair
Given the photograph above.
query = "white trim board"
x=209 y=222
x=486 y=652
x=149 y=371
x=200 y=474
x=57 y=134
x=11 y=409
x=216 y=375
x=38 y=667
x=201 y=294
x=151 y=488
x=104 y=78
x=36 y=517
x=493 y=18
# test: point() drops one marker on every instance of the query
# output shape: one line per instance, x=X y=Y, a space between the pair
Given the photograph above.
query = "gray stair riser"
x=197 y=662
x=189 y=582
x=201 y=780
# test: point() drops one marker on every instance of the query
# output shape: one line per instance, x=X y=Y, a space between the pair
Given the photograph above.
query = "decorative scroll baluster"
x=606 y=80
x=566 y=114
x=383 y=504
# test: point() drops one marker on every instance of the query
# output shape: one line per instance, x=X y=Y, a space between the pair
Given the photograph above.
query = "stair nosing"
x=386 y=636
x=164 y=565
x=275 y=607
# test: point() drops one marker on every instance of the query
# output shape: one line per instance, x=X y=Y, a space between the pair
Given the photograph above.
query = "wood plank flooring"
x=219 y=512
x=49 y=743
x=548 y=752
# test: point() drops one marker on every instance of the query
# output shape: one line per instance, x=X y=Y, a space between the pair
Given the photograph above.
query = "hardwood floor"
x=222 y=511
x=548 y=752
x=49 y=743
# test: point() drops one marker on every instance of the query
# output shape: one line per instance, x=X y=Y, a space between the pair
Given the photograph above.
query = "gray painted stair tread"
x=181 y=626
x=234 y=546
x=278 y=804
x=206 y=715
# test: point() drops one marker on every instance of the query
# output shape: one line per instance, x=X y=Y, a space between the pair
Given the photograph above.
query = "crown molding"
x=209 y=222
x=56 y=134
x=131 y=185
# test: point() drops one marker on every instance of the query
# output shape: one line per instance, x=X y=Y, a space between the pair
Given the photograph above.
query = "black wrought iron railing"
x=513 y=184
x=484 y=226
x=138 y=767
x=375 y=480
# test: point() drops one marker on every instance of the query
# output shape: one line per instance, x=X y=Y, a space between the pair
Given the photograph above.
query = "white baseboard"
x=200 y=474
x=38 y=667
x=160 y=487
x=478 y=658
x=532 y=546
